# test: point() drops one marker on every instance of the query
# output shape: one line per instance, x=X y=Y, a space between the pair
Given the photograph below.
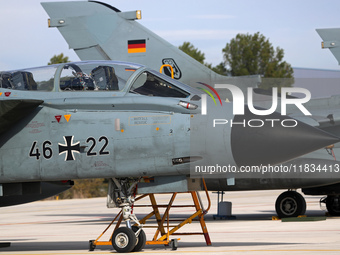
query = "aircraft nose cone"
x=253 y=145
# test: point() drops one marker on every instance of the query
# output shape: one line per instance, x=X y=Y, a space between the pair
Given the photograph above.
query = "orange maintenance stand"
x=163 y=228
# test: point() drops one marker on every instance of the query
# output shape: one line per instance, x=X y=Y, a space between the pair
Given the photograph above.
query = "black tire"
x=174 y=244
x=92 y=246
x=141 y=239
x=333 y=205
x=290 y=204
x=123 y=240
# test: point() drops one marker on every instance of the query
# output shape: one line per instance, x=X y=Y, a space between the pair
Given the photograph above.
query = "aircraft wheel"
x=92 y=246
x=290 y=204
x=174 y=244
x=124 y=240
x=333 y=205
x=141 y=239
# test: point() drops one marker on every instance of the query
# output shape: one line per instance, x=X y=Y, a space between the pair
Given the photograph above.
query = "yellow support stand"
x=163 y=228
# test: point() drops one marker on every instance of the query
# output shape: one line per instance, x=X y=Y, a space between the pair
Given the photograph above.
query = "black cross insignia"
x=69 y=148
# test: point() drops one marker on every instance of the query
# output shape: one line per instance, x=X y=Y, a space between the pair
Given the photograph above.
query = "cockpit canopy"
x=94 y=76
x=40 y=78
x=78 y=76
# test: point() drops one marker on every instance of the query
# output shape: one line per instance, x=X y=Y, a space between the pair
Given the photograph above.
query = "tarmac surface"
x=66 y=226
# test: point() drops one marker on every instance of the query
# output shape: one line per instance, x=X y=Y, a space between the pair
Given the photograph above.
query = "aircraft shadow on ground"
x=104 y=219
x=83 y=245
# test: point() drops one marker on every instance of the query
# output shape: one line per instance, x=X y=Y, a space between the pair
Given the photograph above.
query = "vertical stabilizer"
x=97 y=31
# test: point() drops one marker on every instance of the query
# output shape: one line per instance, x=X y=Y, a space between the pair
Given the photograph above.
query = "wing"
x=325 y=114
x=11 y=111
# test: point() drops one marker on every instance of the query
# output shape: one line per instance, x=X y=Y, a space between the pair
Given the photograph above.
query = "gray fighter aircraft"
x=120 y=37
x=123 y=121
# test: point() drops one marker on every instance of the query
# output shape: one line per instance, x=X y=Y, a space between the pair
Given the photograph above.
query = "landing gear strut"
x=121 y=195
x=290 y=204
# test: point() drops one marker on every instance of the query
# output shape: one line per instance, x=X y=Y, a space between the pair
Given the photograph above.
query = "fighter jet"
x=125 y=121
x=120 y=36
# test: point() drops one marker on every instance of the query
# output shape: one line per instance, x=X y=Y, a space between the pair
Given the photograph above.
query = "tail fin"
x=97 y=31
x=331 y=40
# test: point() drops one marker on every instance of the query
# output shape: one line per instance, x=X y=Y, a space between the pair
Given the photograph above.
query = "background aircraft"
x=99 y=31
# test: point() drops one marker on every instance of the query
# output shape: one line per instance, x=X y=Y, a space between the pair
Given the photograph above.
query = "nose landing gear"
x=124 y=239
x=132 y=237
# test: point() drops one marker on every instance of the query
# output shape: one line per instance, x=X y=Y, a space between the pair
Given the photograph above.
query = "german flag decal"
x=136 y=46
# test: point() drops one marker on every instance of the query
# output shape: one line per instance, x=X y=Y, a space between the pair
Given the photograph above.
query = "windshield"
x=77 y=76
x=150 y=84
